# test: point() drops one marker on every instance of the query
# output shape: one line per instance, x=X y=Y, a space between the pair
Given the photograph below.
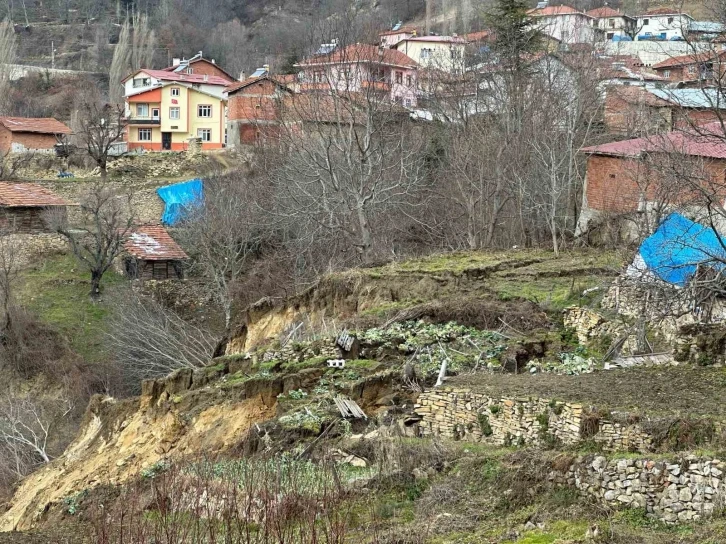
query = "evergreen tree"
x=514 y=34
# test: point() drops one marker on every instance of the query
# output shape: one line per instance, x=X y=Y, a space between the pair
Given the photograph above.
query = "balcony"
x=149 y=121
x=383 y=86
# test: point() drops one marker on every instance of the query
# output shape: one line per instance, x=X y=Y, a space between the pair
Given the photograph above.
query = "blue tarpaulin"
x=678 y=246
x=179 y=199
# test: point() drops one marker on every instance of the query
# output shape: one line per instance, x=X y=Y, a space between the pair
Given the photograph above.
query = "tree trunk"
x=95 y=284
x=365 y=234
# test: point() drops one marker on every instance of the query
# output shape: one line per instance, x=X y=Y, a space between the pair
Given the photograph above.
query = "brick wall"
x=33 y=140
x=207 y=68
x=628 y=118
x=617 y=184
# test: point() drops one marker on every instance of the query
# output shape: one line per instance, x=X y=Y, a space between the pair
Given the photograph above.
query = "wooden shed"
x=150 y=253
x=22 y=206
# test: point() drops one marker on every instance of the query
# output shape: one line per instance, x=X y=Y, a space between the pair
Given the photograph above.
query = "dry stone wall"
x=464 y=415
x=683 y=490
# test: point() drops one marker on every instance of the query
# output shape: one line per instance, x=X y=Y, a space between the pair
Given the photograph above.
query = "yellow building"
x=164 y=110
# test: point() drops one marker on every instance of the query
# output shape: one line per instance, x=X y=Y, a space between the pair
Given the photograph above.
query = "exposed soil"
x=682 y=390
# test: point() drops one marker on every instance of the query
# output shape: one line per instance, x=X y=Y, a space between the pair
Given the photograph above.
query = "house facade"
x=22 y=134
x=663 y=24
x=634 y=176
x=613 y=24
x=445 y=53
x=254 y=110
x=362 y=68
x=391 y=37
x=150 y=253
x=565 y=24
x=23 y=206
x=693 y=69
x=164 y=110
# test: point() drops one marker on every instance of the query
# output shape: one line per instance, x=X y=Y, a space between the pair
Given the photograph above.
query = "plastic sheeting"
x=678 y=246
x=180 y=198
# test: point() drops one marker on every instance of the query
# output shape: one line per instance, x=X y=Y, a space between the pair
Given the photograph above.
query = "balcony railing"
x=136 y=120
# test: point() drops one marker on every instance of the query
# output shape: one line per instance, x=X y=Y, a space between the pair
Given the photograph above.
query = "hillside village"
x=441 y=273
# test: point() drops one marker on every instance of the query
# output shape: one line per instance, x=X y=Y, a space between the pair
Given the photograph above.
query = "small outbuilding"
x=150 y=253
x=36 y=134
x=22 y=207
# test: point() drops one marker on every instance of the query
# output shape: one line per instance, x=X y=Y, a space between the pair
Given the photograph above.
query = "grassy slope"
x=56 y=289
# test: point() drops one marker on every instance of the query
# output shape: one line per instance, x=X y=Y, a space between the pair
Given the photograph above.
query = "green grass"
x=56 y=290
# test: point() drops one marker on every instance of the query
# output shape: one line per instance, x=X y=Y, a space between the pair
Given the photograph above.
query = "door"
x=166 y=140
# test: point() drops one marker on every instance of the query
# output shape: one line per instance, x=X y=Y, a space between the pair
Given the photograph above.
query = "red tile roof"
x=153 y=243
x=605 y=11
x=552 y=10
x=437 y=39
x=708 y=142
x=28 y=195
x=163 y=75
x=207 y=61
x=691 y=58
x=43 y=125
x=362 y=53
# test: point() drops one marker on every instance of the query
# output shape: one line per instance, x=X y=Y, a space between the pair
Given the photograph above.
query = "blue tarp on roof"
x=179 y=199
x=678 y=246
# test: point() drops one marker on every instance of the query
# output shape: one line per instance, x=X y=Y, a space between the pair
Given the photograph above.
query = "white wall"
x=651 y=53
x=568 y=28
x=657 y=24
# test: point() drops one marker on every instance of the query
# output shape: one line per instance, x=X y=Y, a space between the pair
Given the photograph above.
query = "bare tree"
x=106 y=220
x=8 y=49
x=135 y=50
x=148 y=340
x=101 y=127
x=227 y=233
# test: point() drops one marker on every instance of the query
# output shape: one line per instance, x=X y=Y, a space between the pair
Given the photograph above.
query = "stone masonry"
x=673 y=491
x=463 y=415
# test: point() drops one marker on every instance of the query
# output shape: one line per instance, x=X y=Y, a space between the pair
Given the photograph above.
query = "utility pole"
x=52 y=55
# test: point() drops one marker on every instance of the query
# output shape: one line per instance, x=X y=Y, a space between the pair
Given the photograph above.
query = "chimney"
x=242 y=75
x=176 y=61
x=214 y=61
x=266 y=67
x=414 y=33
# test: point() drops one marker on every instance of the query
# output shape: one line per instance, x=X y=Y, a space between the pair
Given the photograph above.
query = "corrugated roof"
x=153 y=243
x=692 y=98
x=708 y=142
x=21 y=195
x=706 y=26
x=163 y=75
x=435 y=39
x=362 y=53
x=43 y=125
x=664 y=11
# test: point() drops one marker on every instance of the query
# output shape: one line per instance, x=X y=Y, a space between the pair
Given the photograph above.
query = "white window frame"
x=200 y=110
x=156 y=115
x=145 y=131
x=202 y=132
x=174 y=112
x=175 y=91
x=142 y=107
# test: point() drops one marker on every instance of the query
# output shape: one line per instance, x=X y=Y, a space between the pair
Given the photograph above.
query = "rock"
x=685 y=494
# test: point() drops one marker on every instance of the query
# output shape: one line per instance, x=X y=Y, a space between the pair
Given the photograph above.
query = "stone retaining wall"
x=676 y=491
x=463 y=415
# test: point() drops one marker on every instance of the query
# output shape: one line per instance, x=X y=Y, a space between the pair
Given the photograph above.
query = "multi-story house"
x=566 y=24
x=445 y=53
x=695 y=69
x=663 y=24
x=164 y=110
x=613 y=24
x=362 y=68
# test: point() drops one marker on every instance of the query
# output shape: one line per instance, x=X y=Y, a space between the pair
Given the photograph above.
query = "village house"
x=634 y=111
x=165 y=109
x=150 y=253
x=612 y=23
x=566 y=24
x=701 y=68
x=637 y=175
x=362 y=68
x=399 y=32
x=200 y=66
x=23 y=206
x=663 y=24
x=253 y=108
x=624 y=70
x=444 y=53
x=21 y=134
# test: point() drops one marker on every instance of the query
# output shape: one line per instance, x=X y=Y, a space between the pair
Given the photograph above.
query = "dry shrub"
x=266 y=500
x=681 y=434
